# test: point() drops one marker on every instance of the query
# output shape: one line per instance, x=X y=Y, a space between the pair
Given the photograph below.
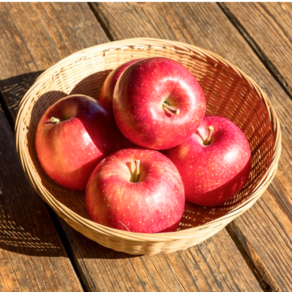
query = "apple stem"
x=201 y=137
x=54 y=120
x=170 y=109
x=136 y=171
x=207 y=141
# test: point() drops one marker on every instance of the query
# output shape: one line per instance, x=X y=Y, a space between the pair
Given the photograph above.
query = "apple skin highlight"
x=83 y=133
x=158 y=103
x=154 y=203
x=214 y=173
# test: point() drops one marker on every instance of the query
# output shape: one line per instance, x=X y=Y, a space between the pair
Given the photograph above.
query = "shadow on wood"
x=13 y=89
x=22 y=239
x=25 y=226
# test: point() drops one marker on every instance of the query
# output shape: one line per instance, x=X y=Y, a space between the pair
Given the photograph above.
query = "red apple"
x=214 y=162
x=137 y=190
x=107 y=89
x=158 y=103
x=73 y=135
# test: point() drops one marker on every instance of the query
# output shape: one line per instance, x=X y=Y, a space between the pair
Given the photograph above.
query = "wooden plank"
x=273 y=230
x=36 y=36
x=208 y=267
x=269 y=33
x=262 y=24
x=205 y=25
x=32 y=257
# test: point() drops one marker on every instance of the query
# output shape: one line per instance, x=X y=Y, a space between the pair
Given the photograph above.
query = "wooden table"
x=40 y=252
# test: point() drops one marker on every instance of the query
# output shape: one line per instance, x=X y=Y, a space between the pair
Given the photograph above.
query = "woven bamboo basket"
x=229 y=93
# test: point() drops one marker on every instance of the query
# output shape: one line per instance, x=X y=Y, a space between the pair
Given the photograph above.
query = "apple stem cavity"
x=208 y=140
x=170 y=109
x=54 y=120
x=136 y=173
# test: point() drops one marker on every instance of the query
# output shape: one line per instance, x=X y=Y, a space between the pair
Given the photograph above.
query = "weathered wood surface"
x=56 y=30
x=268 y=29
x=34 y=37
x=32 y=257
x=264 y=231
x=211 y=266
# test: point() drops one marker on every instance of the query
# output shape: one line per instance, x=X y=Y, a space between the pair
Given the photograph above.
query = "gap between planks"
x=257 y=49
x=264 y=285
x=120 y=31
x=53 y=216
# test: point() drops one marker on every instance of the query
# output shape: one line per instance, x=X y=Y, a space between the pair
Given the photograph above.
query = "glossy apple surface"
x=158 y=103
x=214 y=164
x=107 y=89
x=69 y=148
x=147 y=197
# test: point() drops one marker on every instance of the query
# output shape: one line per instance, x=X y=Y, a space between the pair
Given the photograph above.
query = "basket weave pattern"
x=229 y=93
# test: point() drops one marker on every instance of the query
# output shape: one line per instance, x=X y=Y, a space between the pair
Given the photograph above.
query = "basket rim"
x=142 y=43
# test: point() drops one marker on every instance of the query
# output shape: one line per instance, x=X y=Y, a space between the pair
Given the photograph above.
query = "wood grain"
x=34 y=37
x=32 y=257
x=211 y=266
x=206 y=26
x=267 y=28
x=278 y=239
